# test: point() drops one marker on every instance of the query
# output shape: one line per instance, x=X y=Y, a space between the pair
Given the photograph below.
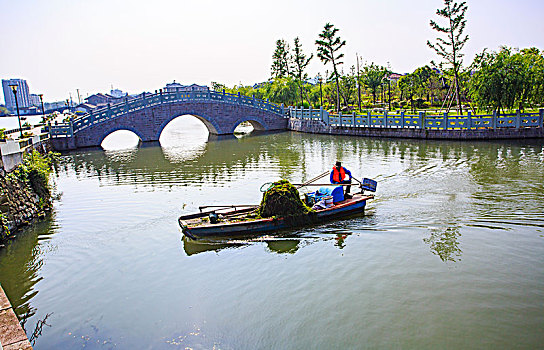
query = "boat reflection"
x=274 y=245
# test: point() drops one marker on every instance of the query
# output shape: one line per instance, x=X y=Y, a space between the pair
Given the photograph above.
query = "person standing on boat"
x=338 y=176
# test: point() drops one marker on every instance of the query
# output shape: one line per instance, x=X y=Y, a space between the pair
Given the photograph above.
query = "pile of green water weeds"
x=282 y=200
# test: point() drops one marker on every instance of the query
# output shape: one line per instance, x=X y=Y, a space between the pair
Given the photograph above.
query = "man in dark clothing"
x=338 y=176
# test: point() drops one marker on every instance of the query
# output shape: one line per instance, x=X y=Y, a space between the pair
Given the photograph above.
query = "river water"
x=450 y=254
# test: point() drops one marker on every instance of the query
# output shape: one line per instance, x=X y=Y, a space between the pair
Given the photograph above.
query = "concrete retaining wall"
x=12 y=336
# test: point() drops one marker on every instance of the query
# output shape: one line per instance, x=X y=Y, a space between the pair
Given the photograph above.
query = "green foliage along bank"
x=25 y=193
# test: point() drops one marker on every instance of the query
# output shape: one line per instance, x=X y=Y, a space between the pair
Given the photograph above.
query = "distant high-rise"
x=23 y=95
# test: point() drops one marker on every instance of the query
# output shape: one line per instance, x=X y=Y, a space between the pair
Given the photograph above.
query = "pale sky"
x=63 y=45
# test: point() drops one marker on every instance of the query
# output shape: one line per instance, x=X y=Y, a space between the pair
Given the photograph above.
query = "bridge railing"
x=421 y=120
x=149 y=100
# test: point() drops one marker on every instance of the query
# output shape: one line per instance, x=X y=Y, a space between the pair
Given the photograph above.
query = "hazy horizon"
x=59 y=46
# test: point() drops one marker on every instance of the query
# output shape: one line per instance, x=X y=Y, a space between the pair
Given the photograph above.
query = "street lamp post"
x=389 y=90
x=43 y=110
x=320 y=90
x=14 y=89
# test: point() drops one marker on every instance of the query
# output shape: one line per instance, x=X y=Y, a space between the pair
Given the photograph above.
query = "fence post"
x=421 y=121
x=469 y=120
x=310 y=112
x=494 y=120
x=353 y=121
x=340 y=119
x=385 y=118
x=282 y=109
x=160 y=91
x=445 y=121
x=369 y=119
x=321 y=113
x=518 y=119
x=541 y=119
x=72 y=127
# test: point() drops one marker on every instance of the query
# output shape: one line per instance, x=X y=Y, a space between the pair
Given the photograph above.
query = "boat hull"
x=261 y=226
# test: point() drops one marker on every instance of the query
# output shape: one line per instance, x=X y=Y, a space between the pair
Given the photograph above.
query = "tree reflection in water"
x=445 y=243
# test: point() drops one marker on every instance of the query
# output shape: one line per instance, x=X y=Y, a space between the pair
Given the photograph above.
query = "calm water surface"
x=449 y=255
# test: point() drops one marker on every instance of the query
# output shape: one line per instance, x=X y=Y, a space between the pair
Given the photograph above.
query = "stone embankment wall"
x=19 y=202
x=319 y=127
x=19 y=205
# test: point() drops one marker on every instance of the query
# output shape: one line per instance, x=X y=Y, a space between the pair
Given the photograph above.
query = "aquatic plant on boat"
x=282 y=200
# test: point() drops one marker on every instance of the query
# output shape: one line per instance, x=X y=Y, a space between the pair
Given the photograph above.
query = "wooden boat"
x=234 y=224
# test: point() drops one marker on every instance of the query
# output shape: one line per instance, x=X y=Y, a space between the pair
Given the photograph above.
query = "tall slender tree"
x=281 y=60
x=450 y=48
x=328 y=45
x=300 y=63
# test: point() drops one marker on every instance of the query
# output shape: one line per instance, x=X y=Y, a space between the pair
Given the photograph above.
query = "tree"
x=349 y=84
x=300 y=63
x=218 y=86
x=372 y=78
x=533 y=82
x=422 y=79
x=328 y=45
x=283 y=90
x=281 y=60
x=408 y=85
x=503 y=79
x=450 y=48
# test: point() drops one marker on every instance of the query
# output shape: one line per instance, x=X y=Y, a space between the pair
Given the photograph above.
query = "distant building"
x=118 y=93
x=23 y=95
x=394 y=77
x=85 y=107
x=35 y=100
x=100 y=99
x=55 y=105
x=173 y=87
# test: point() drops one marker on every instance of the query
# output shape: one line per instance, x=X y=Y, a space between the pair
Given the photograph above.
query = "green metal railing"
x=421 y=120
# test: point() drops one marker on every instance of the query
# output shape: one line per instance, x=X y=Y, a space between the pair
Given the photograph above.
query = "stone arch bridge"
x=147 y=116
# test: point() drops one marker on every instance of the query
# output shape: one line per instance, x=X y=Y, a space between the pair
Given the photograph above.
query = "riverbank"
x=25 y=194
x=12 y=335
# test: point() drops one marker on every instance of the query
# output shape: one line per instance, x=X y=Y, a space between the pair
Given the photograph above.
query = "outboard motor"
x=213 y=218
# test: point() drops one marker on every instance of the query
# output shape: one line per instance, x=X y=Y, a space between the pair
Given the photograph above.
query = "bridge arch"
x=110 y=131
x=211 y=124
x=257 y=123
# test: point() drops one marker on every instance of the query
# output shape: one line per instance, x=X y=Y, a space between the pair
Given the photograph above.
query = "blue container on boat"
x=337 y=192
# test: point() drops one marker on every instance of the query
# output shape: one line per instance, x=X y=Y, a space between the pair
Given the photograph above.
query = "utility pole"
x=358 y=83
